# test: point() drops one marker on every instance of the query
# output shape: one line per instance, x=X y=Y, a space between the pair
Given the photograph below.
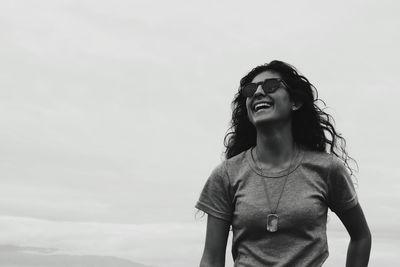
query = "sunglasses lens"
x=249 y=90
x=270 y=86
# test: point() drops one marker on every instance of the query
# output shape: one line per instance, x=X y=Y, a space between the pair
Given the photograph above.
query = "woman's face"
x=279 y=102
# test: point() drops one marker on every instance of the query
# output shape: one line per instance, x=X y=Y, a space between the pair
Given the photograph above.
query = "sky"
x=113 y=115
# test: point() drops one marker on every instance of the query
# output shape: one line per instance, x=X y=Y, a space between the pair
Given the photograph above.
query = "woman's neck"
x=275 y=147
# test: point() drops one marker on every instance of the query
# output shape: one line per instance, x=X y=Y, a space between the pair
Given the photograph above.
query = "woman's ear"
x=296 y=105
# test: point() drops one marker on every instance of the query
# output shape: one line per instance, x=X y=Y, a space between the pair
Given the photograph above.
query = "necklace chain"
x=265 y=187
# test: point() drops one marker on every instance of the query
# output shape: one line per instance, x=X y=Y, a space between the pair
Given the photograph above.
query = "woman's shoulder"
x=320 y=164
x=226 y=165
x=238 y=158
x=320 y=159
x=238 y=161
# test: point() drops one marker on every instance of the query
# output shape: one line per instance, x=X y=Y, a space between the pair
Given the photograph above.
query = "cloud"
x=165 y=244
x=169 y=244
x=14 y=256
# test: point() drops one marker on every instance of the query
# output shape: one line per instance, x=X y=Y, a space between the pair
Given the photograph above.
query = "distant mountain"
x=14 y=256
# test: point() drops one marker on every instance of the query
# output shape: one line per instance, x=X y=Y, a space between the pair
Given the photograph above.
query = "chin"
x=260 y=121
x=265 y=120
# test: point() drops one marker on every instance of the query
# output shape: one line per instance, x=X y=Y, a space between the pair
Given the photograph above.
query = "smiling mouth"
x=262 y=106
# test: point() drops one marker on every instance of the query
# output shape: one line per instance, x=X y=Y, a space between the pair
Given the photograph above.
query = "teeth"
x=261 y=105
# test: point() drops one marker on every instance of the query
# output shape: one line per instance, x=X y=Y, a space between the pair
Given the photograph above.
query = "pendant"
x=272 y=222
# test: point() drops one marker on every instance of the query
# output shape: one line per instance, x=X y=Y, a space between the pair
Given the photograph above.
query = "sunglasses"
x=268 y=85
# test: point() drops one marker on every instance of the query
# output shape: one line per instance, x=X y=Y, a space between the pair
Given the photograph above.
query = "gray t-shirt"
x=235 y=192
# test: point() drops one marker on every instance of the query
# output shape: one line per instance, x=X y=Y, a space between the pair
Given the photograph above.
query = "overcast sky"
x=113 y=115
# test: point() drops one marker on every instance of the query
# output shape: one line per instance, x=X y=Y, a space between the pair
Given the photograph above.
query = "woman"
x=280 y=176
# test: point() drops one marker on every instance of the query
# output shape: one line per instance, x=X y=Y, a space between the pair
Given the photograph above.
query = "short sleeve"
x=215 y=197
x=342 y=194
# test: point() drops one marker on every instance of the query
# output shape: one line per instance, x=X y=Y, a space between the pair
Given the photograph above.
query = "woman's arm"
x=360 y=244
x=215 y=246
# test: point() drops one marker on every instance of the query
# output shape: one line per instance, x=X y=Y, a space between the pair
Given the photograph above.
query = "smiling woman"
x=285 y=166
x=260 y=104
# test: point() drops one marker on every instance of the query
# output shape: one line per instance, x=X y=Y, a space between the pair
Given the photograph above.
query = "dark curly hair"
x=312 y=127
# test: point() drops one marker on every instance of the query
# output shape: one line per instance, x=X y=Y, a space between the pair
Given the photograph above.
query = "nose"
x=259 y=91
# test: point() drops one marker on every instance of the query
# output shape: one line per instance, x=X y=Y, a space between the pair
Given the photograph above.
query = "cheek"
x=248 y=107
x=248 y=111
x=284 y=102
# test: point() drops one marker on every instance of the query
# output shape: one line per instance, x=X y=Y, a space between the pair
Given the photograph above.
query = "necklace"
x=272 y=217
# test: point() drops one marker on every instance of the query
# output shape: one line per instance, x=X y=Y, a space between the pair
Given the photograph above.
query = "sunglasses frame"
x=262 y=83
